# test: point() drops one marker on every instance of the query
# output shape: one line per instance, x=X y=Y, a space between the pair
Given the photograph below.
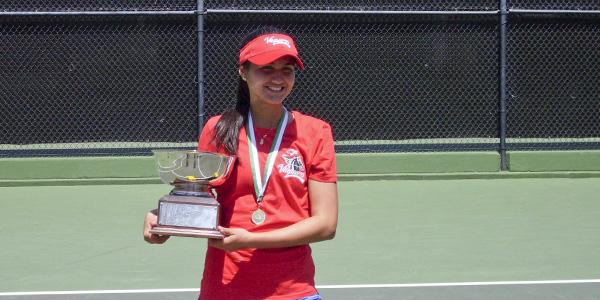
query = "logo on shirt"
x=275 y=41
x=293 y=166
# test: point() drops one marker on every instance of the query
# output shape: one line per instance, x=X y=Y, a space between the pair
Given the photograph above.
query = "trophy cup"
x=190 y=209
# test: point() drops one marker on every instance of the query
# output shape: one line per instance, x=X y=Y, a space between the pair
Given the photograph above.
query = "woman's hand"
x=150 y=221
x=235 y=238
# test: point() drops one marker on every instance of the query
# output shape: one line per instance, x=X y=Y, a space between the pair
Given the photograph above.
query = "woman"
x=282 y=194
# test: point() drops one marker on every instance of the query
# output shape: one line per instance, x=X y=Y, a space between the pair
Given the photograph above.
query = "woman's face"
x=269 y=84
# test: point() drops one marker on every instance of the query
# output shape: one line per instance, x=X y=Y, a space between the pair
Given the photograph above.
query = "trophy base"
x=187 y=232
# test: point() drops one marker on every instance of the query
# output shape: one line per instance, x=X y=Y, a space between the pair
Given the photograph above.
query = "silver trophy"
x=190 y=209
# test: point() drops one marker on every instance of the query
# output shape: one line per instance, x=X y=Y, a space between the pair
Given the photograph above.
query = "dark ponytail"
x=227 y=129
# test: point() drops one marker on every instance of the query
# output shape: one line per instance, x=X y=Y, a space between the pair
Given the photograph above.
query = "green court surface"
x=395 y=238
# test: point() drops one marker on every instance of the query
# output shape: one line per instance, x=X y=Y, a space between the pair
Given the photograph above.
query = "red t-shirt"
x=306 y=152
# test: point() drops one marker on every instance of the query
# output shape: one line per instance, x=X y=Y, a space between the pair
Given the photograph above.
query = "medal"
x=260 y=184
x=258 y=216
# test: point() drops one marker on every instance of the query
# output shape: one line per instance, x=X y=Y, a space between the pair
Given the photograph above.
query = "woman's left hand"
x=235 y=238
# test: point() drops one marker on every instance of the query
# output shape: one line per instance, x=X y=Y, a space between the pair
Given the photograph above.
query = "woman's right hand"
x=150 y=221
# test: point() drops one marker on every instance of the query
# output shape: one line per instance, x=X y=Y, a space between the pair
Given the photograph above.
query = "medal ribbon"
x=260 y=184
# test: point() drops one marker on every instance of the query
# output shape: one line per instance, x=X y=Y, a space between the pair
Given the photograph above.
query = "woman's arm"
x=320 y=226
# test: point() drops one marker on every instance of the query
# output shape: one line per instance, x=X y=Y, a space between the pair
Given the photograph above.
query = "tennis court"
x=513 y=238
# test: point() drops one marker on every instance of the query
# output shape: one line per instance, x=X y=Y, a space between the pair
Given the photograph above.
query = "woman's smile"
x=275 y=88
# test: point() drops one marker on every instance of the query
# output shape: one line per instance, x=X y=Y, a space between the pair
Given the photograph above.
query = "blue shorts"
x=313 y=297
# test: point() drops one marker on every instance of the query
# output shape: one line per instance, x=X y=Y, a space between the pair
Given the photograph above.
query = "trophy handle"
x=230 y=162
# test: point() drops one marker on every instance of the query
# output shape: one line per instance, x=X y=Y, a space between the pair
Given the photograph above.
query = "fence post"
x=502 y=83
x=200 y=34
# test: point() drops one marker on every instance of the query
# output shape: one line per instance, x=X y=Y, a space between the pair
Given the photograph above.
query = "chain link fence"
x=423 y=5
x=96 y=85
x=553 y=83
x=416 y=85
x=555 y=4
x=389 y=77
x=96 y=5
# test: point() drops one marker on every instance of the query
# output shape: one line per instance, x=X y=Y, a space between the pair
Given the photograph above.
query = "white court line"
x=345 y=286
x=354 y=286
x=98 y=292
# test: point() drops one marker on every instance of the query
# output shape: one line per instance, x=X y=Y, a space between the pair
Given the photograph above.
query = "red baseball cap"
x=268 y=48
